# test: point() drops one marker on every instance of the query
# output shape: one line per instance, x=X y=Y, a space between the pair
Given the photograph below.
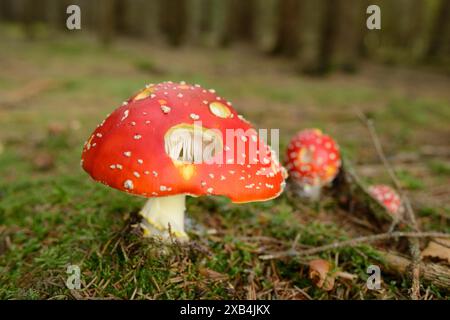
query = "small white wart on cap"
x=194 y=116
x=125 y=115
x=136 y=174
x=137 y=136
x=140 y=161
x=163 y=188
x=155 y=173
x=210 y=190
x=119 y=166
x=128 y=184
x=165 y=109
x=127 y=153
x=99 y=135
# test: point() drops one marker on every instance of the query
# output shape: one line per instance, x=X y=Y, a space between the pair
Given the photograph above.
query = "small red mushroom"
x=388 y=198
x=174 y=139
x=313 y=161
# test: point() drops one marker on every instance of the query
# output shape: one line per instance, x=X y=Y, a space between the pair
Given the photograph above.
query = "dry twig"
x=353 y=242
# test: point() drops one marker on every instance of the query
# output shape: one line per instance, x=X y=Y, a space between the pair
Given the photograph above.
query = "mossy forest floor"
x=54 y=91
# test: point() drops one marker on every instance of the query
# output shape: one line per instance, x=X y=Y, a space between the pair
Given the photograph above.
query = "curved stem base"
x=163 y=218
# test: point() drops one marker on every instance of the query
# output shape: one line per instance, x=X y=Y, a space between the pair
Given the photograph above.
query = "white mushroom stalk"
x=168 y=141
x=309 y=192
x=163 y=217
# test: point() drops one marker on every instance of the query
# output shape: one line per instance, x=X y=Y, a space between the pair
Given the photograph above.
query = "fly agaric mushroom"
x=173 y=139
x=313 y=161
x=388 y=198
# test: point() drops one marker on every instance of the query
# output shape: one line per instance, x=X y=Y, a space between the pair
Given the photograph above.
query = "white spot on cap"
x=211 y=175
x=127 y=153
x=128 y=184
x=194 y=116
x=125 y=114
x=133 y=123
x=210 y=190
x=180 y=95
x=155 y=173
x=163 y=188
x=136 y=174
x=99 y=135
x=113 y=166
x=165 y=109
x=140 y=161
x=137 y=136
x=119 y=166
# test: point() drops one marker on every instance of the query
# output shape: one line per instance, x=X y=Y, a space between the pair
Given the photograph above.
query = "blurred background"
x=318 y=36
x=286 y=64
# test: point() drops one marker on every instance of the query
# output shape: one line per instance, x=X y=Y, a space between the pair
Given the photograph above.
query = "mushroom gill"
x=192 y=143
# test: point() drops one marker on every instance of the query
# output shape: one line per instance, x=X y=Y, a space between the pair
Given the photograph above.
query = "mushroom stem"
x=309 y=192
x=164 y=214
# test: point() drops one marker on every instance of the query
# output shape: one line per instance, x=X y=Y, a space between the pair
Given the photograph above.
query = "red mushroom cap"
x=387 y=197
x=313 y=158
x=148 y=147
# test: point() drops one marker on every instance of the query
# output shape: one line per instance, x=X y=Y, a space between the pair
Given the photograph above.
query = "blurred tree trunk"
x=106 y=20
x=317 y=53
x=206 y=11
x=440 y=32
x=239 y=21
x=27 y=18
x=264 y=24
x=6 y=10
x=173 y=20
x=287 y=29
x=194 y=27
x=350 y=23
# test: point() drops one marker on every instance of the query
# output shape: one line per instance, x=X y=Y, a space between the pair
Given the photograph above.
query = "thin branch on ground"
x=353 y=242
x=410 y=216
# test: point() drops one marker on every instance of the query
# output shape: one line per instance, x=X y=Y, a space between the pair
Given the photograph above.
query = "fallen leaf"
x=214 y=275
x=439 y=250
x=319 y=273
